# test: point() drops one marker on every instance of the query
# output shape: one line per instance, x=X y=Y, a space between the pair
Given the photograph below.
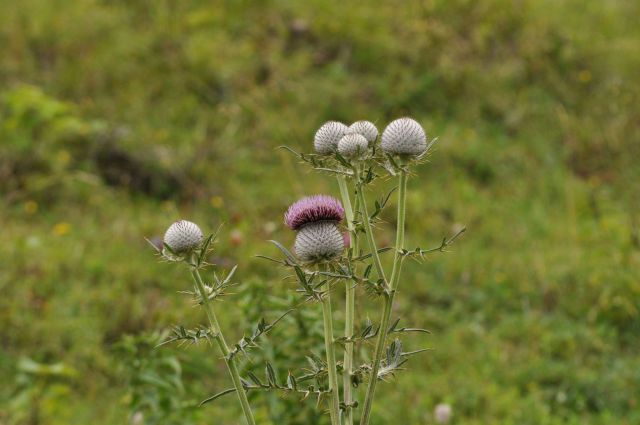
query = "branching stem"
x=388 y=301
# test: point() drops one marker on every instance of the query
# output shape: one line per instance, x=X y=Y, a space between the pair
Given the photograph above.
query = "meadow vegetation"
x=117 y=118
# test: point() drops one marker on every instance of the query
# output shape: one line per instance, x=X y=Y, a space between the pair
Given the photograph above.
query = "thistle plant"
x=353 y=156
x=184 y=242
x=324 y=258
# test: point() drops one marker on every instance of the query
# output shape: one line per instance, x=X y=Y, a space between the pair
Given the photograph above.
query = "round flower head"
x=404 y=136
x=366 y=128
x=313 y=209
x=353 y=146
x=327 y=137
x=183 y=236
x=319 y=241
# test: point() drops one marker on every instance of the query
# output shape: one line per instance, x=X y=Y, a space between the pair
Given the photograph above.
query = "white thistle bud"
x=366 y=128
x=353 y=146
x=319 y=241
x=404 y=136
x=183 y=236
x=327 y=137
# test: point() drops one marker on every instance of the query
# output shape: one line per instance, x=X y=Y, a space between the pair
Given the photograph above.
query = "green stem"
x=334 y=408
x=367 y=229
x=350 y=299
x=224 y=348
x=388 y=302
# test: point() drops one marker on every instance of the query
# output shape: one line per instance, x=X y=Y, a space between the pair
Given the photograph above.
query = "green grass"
x=117 y=119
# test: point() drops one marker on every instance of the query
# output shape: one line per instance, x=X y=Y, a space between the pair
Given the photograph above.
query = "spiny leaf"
x=419 y=252
x=262 y=327
x=366 y=256
x=291 y=381
x=155 y=248
x=254 y=379
x=193 y=336
x=204 y=250
x=271 y=375
x=220 y=394
x=379 y=205
x=285 y=251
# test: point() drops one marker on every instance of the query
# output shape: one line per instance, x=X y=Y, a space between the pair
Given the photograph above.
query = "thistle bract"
x=183 y=236
x=404 y=136
x=353 y=146
x=319 y=241
x=312 y=209
x=327 y=137
x=365 y=128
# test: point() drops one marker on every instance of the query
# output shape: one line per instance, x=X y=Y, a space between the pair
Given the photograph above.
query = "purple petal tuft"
x=312 y=209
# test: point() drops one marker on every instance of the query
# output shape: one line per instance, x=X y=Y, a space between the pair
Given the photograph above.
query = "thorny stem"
x=350 y=297
x=224 y=348
x=388 y=302
x=334 y=408
x=367 y=229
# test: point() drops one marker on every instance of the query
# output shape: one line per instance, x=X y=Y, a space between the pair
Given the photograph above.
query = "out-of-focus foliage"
x=155 y=387
x=118 y=117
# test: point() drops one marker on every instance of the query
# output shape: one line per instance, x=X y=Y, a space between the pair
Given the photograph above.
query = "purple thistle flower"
x=313 y=209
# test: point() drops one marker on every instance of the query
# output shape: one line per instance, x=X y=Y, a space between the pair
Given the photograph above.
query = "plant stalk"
x=388 y=302
x=224 y=348
x=334 y=408
x=350 y=300
x=367 y=229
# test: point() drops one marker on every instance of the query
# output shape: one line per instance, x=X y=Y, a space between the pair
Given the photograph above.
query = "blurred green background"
x=118 y=117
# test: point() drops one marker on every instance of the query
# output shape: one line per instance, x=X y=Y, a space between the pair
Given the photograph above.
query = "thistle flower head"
x=327 y=137
x=319 y=241
x=353 y=146
x=404 y=136
x=183 y=236
x=365 y=128
x=313 y=209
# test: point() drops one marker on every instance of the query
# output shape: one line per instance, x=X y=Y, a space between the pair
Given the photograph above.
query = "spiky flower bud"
x=319 y=241
x=327 y=137
x=316 y=219
x=404 y=136
x=366 y=128
x=312 y=209
x=183 y=236
x=353 y=146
